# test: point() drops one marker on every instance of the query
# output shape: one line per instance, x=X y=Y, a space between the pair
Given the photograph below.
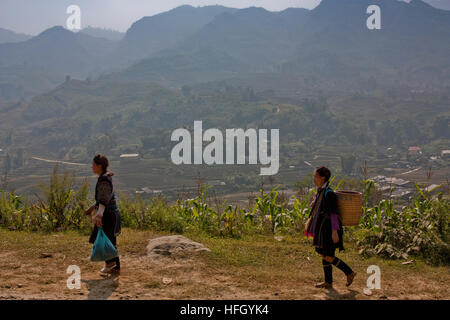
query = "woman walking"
x=325 y=226
x=106 y=214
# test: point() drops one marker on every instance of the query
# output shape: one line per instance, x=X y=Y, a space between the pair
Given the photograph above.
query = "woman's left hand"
x=98 y=222
x=335 y=236
x=97 y=219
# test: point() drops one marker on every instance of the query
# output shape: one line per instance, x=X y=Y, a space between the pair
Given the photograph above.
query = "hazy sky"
x=34 y=16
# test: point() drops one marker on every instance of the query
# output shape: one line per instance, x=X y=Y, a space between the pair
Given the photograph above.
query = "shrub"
x=417 y=230
x=61 y=207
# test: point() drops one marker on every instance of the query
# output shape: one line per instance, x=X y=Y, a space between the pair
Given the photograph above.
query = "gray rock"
x=173 y=245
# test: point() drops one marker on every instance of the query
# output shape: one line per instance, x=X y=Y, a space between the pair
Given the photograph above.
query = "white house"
x=445 y=154
x=131 y=157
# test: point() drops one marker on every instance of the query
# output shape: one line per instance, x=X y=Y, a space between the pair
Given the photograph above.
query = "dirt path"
x=235 y=269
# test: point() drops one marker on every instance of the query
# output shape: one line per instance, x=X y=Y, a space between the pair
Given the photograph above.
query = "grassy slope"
x=258 y=267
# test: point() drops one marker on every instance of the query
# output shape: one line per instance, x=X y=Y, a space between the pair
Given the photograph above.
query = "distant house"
x=216 y=183
x=432 y=187
x=129 y=157
x=445 y=154
x=414 y=151
x=398 y=182
x=378 y=179
x=385 y=189
x=401 y=194
x=148 y=190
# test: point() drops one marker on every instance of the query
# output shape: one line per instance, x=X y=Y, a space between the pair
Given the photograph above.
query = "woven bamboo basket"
x=350 y=207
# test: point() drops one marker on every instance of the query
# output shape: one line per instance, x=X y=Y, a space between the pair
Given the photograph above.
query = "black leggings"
x=113 y=240
x=328 y=266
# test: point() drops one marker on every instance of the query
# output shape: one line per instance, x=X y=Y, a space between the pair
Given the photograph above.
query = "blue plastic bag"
x=103 y=248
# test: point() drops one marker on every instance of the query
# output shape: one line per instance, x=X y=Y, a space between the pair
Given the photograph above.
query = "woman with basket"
x=325 y=226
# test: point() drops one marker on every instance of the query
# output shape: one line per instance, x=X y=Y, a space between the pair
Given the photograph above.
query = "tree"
x=186 y=90
x=7 y=164
x=347 y=163
x=8 y=140
x=441 y=127
x=19 y=159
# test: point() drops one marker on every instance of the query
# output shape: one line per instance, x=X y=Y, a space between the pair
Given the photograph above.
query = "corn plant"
x=12 y=210
x=300 y=211
x=417 y=229
x=197 y=212
x=234 y=221
x=270 y=211
x=62 y=205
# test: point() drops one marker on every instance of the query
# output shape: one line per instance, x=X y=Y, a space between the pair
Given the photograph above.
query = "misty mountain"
x=161 y=31
x=57 y=48
x=253 y=35
x=57 y=52
x=203 y=65
x=11 y=36
x=42 y=62
x=440 y=4
x=108 y=34
x=327 y=47
x=340 y=46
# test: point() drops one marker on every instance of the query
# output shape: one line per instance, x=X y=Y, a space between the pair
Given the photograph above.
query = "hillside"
x=81 y=118
x=42 y=62
x=108 y=34
x=11 y=36
x=165 y=30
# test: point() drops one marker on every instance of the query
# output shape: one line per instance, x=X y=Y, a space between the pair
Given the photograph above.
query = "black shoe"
x=325 y=285
x=350 y=278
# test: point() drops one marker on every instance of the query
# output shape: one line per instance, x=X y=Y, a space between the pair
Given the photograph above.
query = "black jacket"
x=104 y=194
x=323 y=229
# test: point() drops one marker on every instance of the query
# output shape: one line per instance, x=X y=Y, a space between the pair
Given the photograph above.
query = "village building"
x=399 y=182
x=445 y=154
x=414 y=151
x=433 y=188
x=402 y=194
x=131 y=157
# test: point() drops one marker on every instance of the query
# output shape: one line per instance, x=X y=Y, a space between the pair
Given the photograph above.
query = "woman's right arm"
x=89 y=211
